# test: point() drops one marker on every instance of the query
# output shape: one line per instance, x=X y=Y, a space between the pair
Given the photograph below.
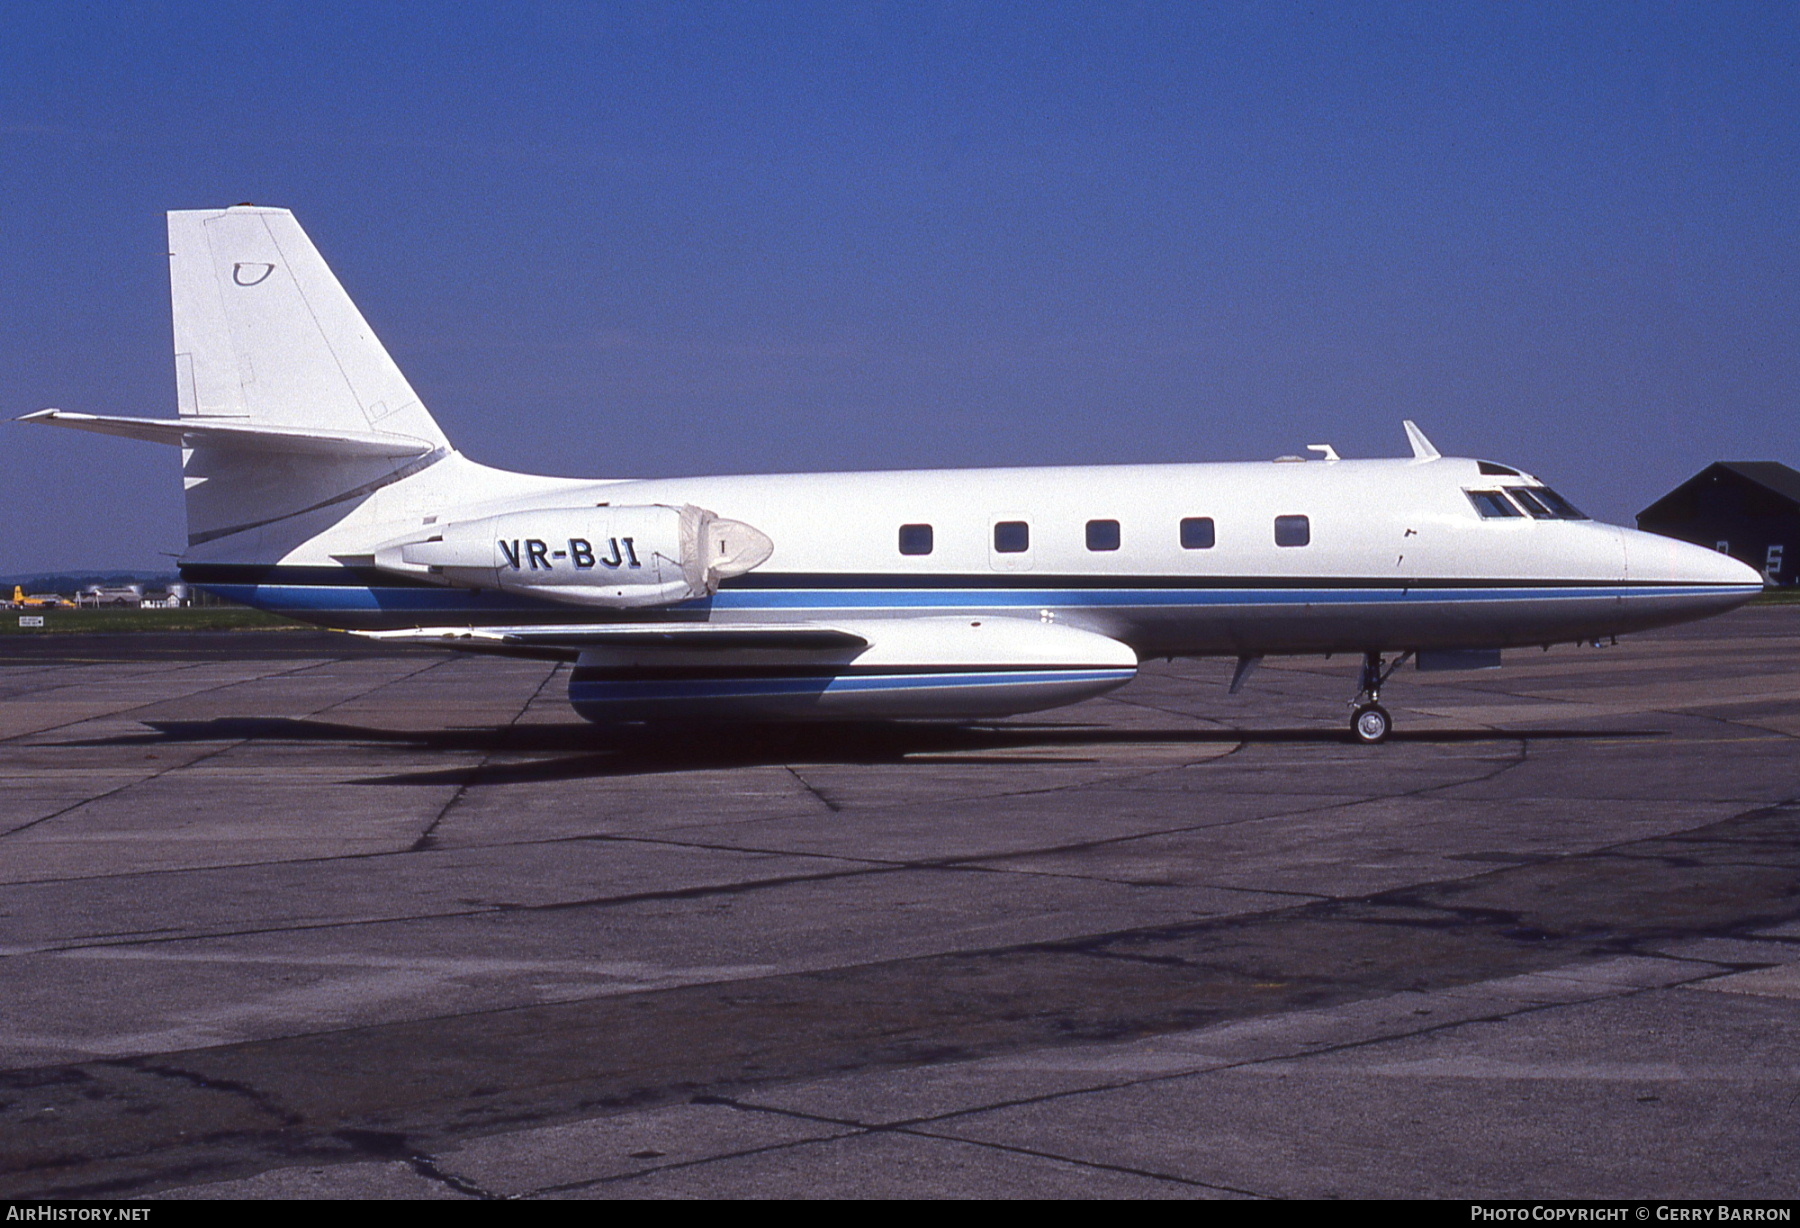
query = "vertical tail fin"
x=265 y=335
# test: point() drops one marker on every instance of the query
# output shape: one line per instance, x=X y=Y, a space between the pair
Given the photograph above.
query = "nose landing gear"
x=1370 y=722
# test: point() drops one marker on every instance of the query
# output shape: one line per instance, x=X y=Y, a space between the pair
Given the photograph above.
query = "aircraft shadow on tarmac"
x=581 y=750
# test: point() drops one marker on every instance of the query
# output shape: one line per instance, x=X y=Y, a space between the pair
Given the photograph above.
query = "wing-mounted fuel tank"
x=619 y=558
x=885 y=669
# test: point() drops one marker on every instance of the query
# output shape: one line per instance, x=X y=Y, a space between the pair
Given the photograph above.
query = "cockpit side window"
x=1492 y=504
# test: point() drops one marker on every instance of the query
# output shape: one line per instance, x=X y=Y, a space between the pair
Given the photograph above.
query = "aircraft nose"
x=1652 y=557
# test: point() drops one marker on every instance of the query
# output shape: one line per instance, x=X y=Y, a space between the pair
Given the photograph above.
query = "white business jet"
x=319 y=487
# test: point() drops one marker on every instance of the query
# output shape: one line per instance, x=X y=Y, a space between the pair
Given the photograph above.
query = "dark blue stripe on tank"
x=584 y=692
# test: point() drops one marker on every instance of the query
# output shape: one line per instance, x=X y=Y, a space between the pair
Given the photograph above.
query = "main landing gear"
x=1370 y=722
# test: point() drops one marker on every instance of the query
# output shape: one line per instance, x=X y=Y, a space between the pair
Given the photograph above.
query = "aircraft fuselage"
x=1388 y=555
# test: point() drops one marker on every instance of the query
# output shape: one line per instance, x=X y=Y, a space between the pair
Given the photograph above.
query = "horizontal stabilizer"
x=701 y=636
x=239 y=437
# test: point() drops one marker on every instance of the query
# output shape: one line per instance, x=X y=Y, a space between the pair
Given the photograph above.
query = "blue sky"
x=616 y=239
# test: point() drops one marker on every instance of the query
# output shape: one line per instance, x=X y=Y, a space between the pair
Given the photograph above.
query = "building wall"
x=1725 y=509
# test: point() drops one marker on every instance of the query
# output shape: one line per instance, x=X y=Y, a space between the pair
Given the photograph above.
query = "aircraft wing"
x=574 y=637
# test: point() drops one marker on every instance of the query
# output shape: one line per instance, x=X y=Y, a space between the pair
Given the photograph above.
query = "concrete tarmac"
x=286 y=915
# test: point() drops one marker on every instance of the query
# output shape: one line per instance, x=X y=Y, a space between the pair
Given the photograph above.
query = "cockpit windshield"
x=1545 y=504
x=1561 y=506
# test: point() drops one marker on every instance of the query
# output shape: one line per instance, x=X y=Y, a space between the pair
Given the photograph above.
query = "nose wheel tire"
x=1370 y=724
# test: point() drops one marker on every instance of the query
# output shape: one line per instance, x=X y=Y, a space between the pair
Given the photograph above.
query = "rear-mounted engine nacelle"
x=612 y=557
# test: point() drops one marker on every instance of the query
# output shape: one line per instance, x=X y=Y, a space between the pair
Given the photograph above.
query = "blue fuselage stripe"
x=465 y=605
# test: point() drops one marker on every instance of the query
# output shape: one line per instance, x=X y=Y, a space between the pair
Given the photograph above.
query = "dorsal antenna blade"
x=1421 y=446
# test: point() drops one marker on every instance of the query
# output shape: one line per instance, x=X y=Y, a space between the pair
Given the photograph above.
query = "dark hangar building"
x=1747 y=509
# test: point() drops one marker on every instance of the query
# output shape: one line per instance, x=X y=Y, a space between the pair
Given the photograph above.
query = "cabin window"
x=1492 y=504
x=1012 y=537
x=915 y=539
x=1102 y=535
x=1197 y=533
x=1292 y=531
